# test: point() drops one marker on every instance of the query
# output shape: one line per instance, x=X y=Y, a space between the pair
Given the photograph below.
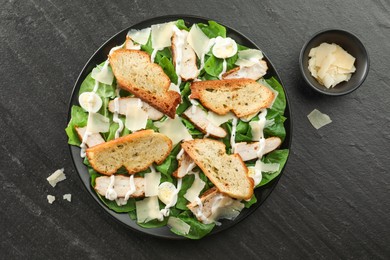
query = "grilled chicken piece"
x=121 y=186
x=248 y=151
x=129 y=44
x=153 y=113
x=186 y=164
x=215 y=206
x=189 y=70
x=92 y=140
x=255 y=72
x=199 y=118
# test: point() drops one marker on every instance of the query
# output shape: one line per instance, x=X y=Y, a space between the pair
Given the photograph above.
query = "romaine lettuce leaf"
x=198 y=229
x=280 y=101
x=78 y=118
x=277 y=156
x=213 y=29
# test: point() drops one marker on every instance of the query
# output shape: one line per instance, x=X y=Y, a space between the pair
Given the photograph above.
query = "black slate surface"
x=332 y=202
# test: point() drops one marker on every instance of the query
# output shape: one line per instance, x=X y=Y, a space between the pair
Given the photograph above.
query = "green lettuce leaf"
x=185 y=92
x=277 y=156
x=250 y=202
x=130 y=205
x=213 y=29
x=280 y=101
x=104 y=91
x=168 y=68
x=182 y=25
x=198 y=229
x=78 y=118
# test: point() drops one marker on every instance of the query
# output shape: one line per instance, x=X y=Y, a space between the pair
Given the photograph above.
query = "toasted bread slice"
x=241 y=96
x=215 y=205
x=135 y=73
x=121 y=186
x=250 y=151
x=227 y=172
x=136 y=152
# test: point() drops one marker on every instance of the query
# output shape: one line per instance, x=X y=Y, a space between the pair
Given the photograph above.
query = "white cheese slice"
x=255 y=172
x=198 y=41
x=248 y=58
x=174 y=129
x=218 y=119
x=140 y=36
x=343 y=59
x=269 y=167
x=67 y=197
x=136 y=117
x=97 y=123
x=148 y=209
x=178 y=225
x=231 y=211
x=161 y=35
x=250 y=54
x=322 y=52
x=152 y=181
x=103 y=74
x=318 y=119
x=56 y=177
x=51 y=199
x=174 y=87
x=196 y=187
x=325 y=65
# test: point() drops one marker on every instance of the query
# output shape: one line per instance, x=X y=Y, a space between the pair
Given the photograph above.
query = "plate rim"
x=166 y=233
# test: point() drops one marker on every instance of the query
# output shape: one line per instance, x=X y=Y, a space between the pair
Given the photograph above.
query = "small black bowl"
x=350 y=43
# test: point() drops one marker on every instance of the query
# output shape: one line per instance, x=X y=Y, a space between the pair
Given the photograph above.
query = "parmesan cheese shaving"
x=196 y=187
x=318 y=119
x=161 y=35
x=174 y=129
x=51 y=199
x=103 y=74
x=330 y=64
x=178 y=225
x=152 y=181
x=136 y=117
x=56 y=177
x=97 y=123
x=148 y=209
x=67 y=197
x=199 y=42
x=218 y=119
x=140 y=36
x=250 y=57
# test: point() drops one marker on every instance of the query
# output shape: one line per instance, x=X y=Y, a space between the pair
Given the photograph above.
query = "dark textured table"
x=332 y=201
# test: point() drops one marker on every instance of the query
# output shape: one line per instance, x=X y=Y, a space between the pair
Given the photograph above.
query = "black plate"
x=100 y=56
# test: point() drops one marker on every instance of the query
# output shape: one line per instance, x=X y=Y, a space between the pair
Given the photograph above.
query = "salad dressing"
x=262 y=121
x=224 y=65
x=111 y=193
x=132 y=188
x=116 y=113
x=180 y=154
x=233 y=135
x=179 y=52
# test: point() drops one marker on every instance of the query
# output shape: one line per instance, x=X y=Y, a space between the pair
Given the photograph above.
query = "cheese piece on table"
x=56 y=177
